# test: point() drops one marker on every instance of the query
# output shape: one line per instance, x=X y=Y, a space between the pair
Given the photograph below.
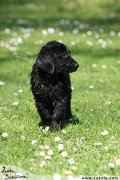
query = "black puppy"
x=51 y=86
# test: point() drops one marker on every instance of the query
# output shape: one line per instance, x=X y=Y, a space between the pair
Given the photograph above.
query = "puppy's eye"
x=64 y=55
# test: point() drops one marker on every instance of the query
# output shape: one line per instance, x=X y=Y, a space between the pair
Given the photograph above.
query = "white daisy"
x=43 y=163
x=64 y=154
x=47 y=147
x=63 y=131
x=50 y=152
x=7 y=30
x=100 y=41
x=15 y=103
x=71 y=161
x=82 y=139
x=44 y=32
x=104 y=133
x=75 y=31
x=47 y=157
x=89 y=33
x=111 y=165
x=60 y=147
x=94 y=65
x=112 y=33
x=31 y=168
x=104 y=44
x=20 y=90
x=91 y=87
x=74 y=149
x=112 y=137
x=106 y=148
x=51 y=30
x=57 y=139
x=5 y=135
x=104 y=66
x=1 y=83
x=117 y=162
x=89 y=43
x=34 y=142
x=42 y=153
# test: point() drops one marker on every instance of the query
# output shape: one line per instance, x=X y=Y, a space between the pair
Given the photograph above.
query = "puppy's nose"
x=76 y=65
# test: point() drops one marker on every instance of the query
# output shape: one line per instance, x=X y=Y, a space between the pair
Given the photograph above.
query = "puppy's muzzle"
x=76 y=65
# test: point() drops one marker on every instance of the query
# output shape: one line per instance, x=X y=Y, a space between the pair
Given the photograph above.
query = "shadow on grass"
x=64 y=24
x=74 y=121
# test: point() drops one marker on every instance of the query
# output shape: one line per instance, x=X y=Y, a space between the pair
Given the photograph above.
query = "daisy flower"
x=63 y=131
x=1 y=83
x=5 y=135
x=15 y=103
x=91 y=87
x=42 y=153
x=43 y=163
x=104 y=66
x=50 y=152
x=106 y=148
x=60 y=147
x=117 y=162
x=82 y=139
x=47 y=157
x=71 y=161
x=57 y=139
x=64 y=154
x=104 y=133
x=34 y=142
x=111 y=165
x=94 y=65
x=47 y=147
x=20 y=90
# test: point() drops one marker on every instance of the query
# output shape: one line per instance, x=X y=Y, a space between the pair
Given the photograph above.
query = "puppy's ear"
x=45 y=60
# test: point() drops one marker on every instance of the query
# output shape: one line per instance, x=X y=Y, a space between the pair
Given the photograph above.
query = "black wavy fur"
x=51 y=86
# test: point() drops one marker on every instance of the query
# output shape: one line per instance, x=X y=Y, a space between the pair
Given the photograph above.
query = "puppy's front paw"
x=71 y=119
x=55 y=126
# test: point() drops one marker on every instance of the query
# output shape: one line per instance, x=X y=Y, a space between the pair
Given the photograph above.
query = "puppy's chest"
x=55 y=90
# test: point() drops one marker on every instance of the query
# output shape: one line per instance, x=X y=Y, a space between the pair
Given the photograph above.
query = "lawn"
x=91 y=29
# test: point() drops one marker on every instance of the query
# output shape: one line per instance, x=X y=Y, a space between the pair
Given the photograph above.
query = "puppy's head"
x=56 y=57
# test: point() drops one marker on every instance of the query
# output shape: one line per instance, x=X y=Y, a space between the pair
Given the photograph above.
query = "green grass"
x=95 y=109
